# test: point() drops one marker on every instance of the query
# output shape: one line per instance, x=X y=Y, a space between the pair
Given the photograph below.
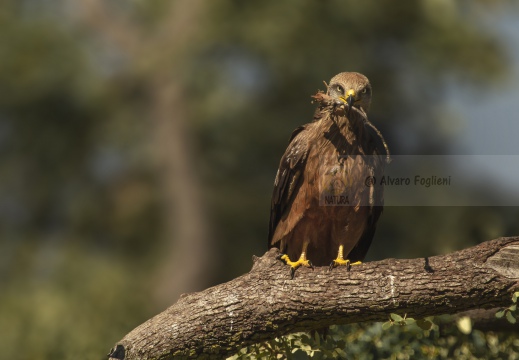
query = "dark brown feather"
x=288 y=178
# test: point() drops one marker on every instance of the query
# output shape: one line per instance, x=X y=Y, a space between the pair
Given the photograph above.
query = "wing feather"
x=288 y=178
x=378 y=148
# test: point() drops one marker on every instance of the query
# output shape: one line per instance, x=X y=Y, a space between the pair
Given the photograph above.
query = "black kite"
x=324 y=208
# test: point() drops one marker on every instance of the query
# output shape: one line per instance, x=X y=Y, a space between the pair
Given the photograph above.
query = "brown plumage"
x=326 y=159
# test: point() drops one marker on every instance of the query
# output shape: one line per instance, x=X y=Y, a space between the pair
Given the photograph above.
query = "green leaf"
x=464 y=325
x=500 y=314
x=396 y=317
x=513 y=307
x=409 y=321
x=386 y=325
x=306 y=348
x=510 y=317
x=424 y=324
x=317 y=339
x=515 y=296
x=341 y=352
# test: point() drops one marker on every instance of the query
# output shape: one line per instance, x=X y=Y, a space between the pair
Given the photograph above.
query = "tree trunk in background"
x=188 y=247
x=186 y=259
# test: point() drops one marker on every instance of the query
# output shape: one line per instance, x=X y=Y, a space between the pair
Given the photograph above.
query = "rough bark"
x=266 y=303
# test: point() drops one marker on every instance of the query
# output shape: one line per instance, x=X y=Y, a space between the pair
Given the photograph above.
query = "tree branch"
x=265 y=303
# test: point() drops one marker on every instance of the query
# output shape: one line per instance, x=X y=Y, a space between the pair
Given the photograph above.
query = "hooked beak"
x=349 y=99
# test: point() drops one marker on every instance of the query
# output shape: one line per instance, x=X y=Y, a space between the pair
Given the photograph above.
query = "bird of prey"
x=326 y=200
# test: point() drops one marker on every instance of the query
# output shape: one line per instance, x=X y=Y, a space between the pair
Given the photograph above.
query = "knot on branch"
x=506 y=261
x=266 y=261
x=117 y=352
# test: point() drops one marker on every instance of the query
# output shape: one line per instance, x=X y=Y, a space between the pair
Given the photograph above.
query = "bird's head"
x=350 y=88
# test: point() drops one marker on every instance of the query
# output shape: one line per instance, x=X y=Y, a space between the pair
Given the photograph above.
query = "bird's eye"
x=340 y=89
x=365 y=90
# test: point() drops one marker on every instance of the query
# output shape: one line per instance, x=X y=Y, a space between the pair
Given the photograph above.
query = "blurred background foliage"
x=139 y=143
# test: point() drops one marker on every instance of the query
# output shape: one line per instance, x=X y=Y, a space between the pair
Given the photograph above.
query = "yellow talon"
x=295 y=264
x=340 y=261
x=302 y=261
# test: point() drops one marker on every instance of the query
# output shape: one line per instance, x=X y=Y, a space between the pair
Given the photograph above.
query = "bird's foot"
x=294 y=265
x=342 y=262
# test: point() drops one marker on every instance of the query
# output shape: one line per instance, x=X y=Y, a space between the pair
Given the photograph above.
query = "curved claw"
x=294 y=265
x=332 y=265
x=341 y=262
